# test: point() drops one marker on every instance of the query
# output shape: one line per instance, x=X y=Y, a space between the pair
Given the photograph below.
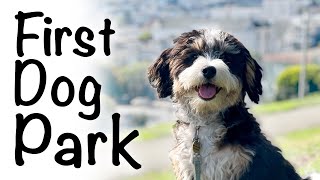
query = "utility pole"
x=304 y=52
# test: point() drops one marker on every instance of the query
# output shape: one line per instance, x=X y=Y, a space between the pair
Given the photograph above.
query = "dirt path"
x=153 y=155
x=281 y=123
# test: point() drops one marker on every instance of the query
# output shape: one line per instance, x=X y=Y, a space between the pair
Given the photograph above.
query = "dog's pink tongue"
x=207 y=91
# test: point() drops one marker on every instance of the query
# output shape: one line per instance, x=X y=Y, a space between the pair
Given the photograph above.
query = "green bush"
x=288 y=81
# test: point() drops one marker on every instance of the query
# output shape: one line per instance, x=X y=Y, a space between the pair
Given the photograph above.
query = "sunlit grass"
x=302 y=148
x=160 y=175
x=280 y=106
x=156 y=131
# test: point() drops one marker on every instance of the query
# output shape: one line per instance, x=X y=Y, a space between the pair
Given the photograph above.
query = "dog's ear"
x=187 y=37
x=252 y=80
x=159 y=75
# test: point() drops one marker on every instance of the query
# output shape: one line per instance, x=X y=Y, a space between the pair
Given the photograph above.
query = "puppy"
x=207 y=73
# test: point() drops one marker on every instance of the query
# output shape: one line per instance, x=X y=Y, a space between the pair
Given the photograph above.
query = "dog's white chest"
x=217 y=163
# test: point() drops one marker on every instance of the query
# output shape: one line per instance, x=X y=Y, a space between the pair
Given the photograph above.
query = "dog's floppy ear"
x=159 y=75
x=252 y=80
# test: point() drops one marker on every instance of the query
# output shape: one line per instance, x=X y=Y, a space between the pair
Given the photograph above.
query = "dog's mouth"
x=207 y=91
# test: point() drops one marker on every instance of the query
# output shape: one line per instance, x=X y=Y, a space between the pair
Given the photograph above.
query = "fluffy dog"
x=207 y=73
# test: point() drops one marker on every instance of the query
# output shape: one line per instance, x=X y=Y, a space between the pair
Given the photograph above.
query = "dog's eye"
x=194 y=56
x=189 y=60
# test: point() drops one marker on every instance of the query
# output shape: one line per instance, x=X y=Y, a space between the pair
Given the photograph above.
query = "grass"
x=301 y=148
x=280 y=106
x=155 y=131
x=160 y=175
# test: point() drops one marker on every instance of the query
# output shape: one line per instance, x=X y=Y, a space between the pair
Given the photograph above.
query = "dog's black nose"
x=209 y=72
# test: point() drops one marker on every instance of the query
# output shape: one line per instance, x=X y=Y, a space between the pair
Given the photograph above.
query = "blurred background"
x=283 y=36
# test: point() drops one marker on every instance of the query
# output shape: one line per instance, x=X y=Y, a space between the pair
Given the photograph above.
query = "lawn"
x=156 y=131
x=301 y=148
x=280 y=106
x=160 y=175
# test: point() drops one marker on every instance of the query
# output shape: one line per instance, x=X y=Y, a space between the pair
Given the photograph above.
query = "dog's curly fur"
x=232 y=144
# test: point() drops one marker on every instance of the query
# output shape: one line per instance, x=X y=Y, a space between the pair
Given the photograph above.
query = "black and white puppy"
x=207 y=73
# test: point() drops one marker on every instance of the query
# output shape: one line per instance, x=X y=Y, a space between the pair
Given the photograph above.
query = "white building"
x=282 y=9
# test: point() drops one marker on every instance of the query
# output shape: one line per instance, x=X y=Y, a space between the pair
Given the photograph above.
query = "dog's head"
x=208 y=69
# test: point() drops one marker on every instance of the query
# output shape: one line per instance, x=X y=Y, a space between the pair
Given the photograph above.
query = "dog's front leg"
x=182 y=165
